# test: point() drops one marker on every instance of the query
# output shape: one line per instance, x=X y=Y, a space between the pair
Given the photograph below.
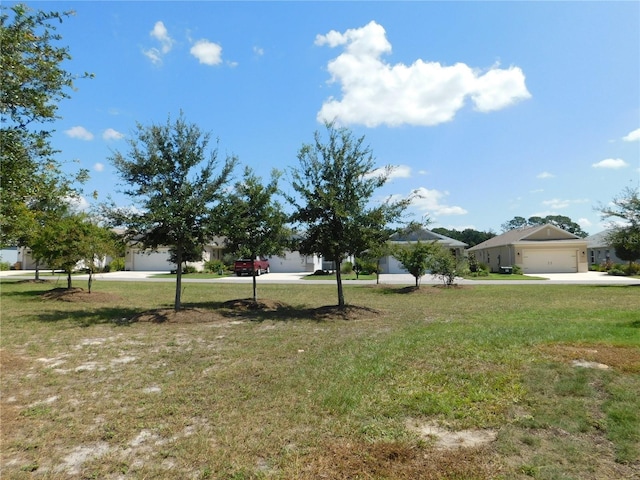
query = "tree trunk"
x=378 y=272
x=339 y=281
x=255 y=286
x=90 y=282
x=69 y=279
x=417 y=281
x=177 y=305
x=37 y=270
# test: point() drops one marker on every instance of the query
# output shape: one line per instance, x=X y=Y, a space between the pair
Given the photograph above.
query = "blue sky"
x=489 y=109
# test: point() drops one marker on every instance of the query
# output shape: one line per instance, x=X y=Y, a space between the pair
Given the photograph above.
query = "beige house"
x=139 y=259
x=540 y=249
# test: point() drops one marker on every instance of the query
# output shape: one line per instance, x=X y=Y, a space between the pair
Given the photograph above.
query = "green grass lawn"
x=93 y=387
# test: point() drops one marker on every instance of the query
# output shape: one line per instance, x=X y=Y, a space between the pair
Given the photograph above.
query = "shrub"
x=214 y=266
x=480 y=273
x=632 y=268
x=473 y=263
x=516 y=270
x=617 y=271
x=5 y=266
x=189 y=269
x=364 y=267
x=116 y=265
x=346 y=267
x=322 y=272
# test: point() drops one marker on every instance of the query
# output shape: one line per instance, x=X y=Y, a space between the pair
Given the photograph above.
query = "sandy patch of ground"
x=445 y=439
x=600 y=356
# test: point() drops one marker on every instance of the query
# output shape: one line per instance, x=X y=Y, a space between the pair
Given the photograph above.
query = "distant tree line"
x=469 y=236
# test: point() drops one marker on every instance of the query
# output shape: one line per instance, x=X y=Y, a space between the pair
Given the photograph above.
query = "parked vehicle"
x=246 y=266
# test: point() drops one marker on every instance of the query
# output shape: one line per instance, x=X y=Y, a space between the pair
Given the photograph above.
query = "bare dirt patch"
x=624 y=359
x=346 y=460
x=445 y=439
x=79 y=295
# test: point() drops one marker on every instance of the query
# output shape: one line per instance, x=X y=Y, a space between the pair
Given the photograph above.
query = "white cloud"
x=78 y=203
x=545 y=175
x=584 y=223
x=632 y=136
x=258 y=51
x=430 y=201
x=425 y=93
x=161 y=34
x=207 y=52
x=98 y=167
x=80 y=133
x=559 y=203
x=611 y=163
x=392 y=172
x=111 y=134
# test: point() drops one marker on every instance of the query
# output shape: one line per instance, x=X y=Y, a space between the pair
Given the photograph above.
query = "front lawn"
x=472 y=382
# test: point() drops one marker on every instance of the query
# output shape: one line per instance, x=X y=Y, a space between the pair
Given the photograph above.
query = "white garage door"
x=152 y=262
x=550 y=261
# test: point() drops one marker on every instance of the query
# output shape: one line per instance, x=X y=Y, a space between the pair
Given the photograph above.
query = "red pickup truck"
x=246 y=266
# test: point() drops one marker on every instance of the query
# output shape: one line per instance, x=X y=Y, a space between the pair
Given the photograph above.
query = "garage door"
x=550 y=261
x=151 y=262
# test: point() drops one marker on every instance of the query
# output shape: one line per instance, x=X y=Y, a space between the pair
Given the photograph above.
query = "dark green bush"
x=214 y=266
x=617 y=271
x=5 y=266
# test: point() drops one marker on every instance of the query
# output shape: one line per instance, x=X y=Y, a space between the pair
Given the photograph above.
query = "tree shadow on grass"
x=86 y=318
x=247 y=310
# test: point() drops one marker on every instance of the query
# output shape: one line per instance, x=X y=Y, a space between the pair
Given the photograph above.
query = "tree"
x=253 y=223
x=415 y=257
x=443 y=264
x=335 y=182
x=33 y=83
x=170 y=178
x=469 y=236
x=71 y=239
x=625 y=237
x=559 y=221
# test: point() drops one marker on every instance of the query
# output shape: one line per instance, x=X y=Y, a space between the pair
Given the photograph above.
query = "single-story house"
x=599 y=250
x=137 y=259
x=390 y=264
x=539 y=249
x=294 y=262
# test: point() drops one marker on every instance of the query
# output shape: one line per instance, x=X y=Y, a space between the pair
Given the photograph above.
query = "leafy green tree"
x=252 y=221
x=334 y=182
x=170 y=177
x=73 y=239
x=625 y=236
x=33 y=83
x=469 y=236
x=514 y=224
x=415 y=257
x=559 y=221
x=443 y=264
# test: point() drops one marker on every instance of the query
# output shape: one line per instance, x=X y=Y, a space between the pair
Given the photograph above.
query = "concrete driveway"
x=586 y=278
